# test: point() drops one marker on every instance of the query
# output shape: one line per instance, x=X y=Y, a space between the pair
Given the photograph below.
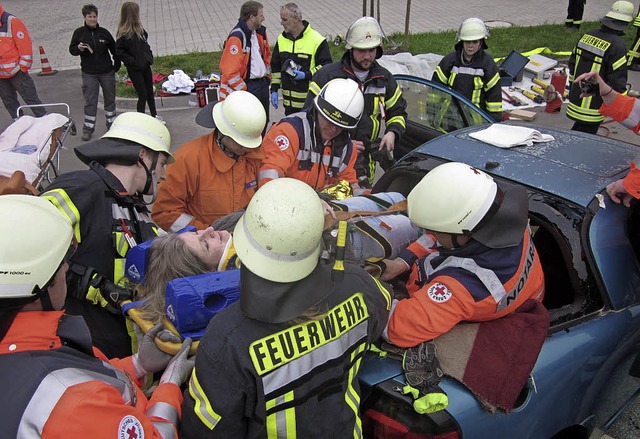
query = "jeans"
x=23 y=84
x=91 y=84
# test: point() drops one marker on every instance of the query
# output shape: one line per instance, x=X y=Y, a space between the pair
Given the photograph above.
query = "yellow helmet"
x=142 y=129
x=472 y=29
x=621 y=10
x=364 y=33
x=241 y=116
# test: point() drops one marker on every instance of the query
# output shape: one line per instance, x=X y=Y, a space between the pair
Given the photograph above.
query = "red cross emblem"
x=282 y=142
x=439 y=292
x=132 y=433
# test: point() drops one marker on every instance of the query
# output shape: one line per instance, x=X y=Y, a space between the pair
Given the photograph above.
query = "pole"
x=406 y=26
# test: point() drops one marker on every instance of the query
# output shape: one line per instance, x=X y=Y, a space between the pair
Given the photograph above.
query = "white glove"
x=180 y=367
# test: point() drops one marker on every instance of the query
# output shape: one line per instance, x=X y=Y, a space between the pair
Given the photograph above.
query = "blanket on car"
x=494 y=359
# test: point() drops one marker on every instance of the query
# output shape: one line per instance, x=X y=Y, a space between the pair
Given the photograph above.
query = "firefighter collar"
x=276 y=302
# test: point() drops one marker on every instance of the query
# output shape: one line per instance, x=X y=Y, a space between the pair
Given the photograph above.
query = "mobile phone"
x=589 y=87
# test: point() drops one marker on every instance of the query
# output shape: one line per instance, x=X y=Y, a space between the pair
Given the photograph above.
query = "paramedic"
x=59 y=384
x=476 y=263
x=105 y=206
x=265 y=366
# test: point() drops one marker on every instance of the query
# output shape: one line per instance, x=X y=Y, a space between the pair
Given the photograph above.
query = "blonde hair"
x=130 y=21
x=169 y=258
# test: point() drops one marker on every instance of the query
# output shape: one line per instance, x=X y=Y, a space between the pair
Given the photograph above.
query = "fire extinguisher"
x=559 y=81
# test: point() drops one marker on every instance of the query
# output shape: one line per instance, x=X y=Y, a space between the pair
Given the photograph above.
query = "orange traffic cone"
x=46 y=68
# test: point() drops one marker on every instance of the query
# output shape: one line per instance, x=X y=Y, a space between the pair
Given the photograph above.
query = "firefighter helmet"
x=364 y=33
x=35 y=240
x=472 y=29
x=241 y=116
x=142 y=129
x=341 y=101
x=279 y=236
x=452 y=198
x=621 y=10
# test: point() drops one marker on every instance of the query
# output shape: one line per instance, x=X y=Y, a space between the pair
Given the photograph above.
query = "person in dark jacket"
x=285 y=359
x=104 y=204
x=133 y=50
x=471 y=71
x=605 y=51
x=300 y=51
x=96 y=47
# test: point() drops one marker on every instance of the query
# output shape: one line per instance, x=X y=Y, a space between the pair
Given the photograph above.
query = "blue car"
x=590 y=251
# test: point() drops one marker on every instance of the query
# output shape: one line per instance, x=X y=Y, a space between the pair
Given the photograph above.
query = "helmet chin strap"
x=151 y=185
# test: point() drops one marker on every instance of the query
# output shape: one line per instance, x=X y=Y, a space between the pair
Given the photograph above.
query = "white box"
x=538 y=64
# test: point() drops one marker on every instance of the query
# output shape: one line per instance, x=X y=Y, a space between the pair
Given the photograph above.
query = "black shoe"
x=86 y=136
x=634 y=66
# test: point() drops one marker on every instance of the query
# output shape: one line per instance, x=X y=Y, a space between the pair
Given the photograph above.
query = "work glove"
x=299 y=75
x=180 y=366
x=274 y=99
x=107 y=294
x=423 y=374
x=149 y=358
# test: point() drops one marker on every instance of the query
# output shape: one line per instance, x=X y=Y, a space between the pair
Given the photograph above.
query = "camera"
x=589 y=87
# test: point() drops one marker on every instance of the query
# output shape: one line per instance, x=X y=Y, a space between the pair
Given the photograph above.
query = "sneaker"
x=634 y=66
x=86 y=136
x=161 y=119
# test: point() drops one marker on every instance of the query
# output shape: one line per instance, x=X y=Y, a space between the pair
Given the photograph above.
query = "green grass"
x=501 y=42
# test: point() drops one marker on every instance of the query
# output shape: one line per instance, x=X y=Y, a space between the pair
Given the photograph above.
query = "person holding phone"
x=98 y=62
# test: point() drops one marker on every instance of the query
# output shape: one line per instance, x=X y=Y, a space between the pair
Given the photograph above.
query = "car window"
x=614 y=236
x=436 y=109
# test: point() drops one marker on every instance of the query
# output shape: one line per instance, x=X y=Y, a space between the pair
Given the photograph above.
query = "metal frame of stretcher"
x=50 y=167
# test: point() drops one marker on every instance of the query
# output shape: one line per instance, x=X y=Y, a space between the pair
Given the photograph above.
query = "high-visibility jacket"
x=626 y=110
x=293 y=148
x=383 y=102
x=57 y=385
x=103 y=214
x=204 y=184
x=310 y=51
x=604 y=51
x=473 y=283
x=235 y=63
x=16 y=51
x=478 y=81
x=265 y=380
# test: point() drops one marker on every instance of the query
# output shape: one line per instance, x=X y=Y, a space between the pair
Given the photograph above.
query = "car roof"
x=575 y=166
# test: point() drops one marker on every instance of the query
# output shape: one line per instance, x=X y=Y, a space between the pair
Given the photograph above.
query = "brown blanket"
x=494 y=359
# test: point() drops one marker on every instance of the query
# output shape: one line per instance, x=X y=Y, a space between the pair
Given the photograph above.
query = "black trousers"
x=585 y=127
x=260 y=89
x=574 y=13
x=143 y=83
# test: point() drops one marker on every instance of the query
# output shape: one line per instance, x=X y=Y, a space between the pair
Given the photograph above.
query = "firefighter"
x=575 y=10
x=246 y=56
x=300 y=51
x=625 y=110
x=314 y=145
x=383 y=101
x=476 y=263
x=471 y=71
x=59 y=385
x=285 y=358
x=634 y=53
x=215 y=174
x=105 y=206
x=16 y=53
x=604 y=51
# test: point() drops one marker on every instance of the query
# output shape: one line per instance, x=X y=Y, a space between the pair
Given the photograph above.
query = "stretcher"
x=31 y=146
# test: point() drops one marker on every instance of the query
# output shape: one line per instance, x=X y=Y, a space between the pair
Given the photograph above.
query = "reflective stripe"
x=271 y=174
x=351 y=396
x=165 y=411
x=621 y=62
x=371 y=89
x=492 y=82
x=166 y=430
x=61 y=200
x=400 y=120
x=633 y=118
x=202 y=407
x=314 y=88
x=122 y=246
x=467 y=71
x=384 y=292
x=394 y=99
x=594 y=45
x=180 y=223
x=53 y=387
x=90 y=118
x=281 y=424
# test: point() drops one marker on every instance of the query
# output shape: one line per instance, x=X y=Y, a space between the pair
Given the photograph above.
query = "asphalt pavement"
x=202 y=25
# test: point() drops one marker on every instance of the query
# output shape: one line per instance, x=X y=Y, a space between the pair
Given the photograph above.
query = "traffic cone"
x=46 y=67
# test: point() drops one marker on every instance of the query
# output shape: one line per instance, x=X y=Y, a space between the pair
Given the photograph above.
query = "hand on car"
x=388 y=141
x=394 y=268
x=618 y=193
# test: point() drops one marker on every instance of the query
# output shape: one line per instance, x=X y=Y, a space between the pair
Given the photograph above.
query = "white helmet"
x=142 y=129
x=241 y=116
x=35 y=240
x=452 y=198
x=280 y=234
x=364 y=33
x=341 y=101
x=621 y=10
x=472 y=29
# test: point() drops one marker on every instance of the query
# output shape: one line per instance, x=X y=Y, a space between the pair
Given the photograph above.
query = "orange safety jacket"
x=204 y=184
x=293 y=148
x=235 y=63
x=61 y=386
x=16 y=51
x=626 y=110
x=471 y=283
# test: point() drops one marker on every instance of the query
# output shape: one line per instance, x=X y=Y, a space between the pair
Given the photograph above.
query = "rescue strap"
x=539 y=50
x=399 y=207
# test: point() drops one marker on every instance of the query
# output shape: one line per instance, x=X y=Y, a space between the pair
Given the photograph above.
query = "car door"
x=432 y=110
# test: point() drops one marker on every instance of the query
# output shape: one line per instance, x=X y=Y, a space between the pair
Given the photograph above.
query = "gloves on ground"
x=150 y=358
x=274 y=99
x=299 y=75
x=179 y=368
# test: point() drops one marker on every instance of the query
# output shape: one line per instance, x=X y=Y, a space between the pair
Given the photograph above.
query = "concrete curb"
x=178 y=102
